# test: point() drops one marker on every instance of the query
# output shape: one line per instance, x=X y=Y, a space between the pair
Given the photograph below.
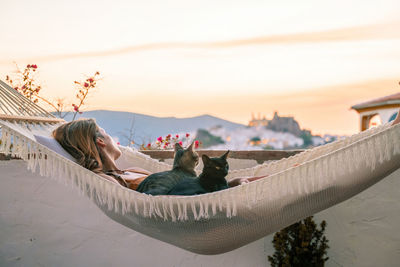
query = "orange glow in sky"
x=309 y=59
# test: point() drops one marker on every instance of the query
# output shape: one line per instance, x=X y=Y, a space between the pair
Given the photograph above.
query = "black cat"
x=211 y=179
x=185 y=160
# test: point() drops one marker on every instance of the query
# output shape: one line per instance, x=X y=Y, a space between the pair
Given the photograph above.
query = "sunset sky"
x=309 y=59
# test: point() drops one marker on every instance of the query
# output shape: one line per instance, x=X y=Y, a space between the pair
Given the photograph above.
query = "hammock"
x=214 y=223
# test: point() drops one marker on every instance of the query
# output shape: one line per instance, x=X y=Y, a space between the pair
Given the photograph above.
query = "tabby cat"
x=211 y=179
x=185 y=160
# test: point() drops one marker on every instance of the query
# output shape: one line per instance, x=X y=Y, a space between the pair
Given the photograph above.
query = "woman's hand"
x=238 y=181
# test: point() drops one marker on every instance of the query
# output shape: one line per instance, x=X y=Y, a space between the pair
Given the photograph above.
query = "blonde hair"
x=79 y=139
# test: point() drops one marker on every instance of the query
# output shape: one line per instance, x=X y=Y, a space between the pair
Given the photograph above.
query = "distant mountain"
x=147 y=128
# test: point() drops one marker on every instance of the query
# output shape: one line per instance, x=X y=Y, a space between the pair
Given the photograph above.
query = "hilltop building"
x=377 y=111
x=284 y=124
x=277 y=124
x=258 y=121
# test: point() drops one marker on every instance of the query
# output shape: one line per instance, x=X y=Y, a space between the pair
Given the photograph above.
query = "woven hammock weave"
x=214 y=223
x=222 y=221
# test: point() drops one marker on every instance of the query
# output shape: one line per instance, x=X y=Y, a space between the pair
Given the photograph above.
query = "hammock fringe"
x=315 y=170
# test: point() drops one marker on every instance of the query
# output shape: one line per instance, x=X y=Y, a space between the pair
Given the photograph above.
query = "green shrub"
x=300 y=245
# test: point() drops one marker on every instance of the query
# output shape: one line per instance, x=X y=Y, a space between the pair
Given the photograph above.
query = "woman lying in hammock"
x=95 y=150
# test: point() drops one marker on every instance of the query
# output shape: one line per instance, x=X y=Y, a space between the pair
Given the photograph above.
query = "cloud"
x=357 y=33
x=379 y=31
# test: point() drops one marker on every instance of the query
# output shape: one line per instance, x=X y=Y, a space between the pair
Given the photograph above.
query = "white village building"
x=377 y=111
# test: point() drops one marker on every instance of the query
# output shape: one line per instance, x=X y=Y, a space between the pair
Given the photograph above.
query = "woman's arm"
x=109 y=178
x=138 y=170
x=239 y=181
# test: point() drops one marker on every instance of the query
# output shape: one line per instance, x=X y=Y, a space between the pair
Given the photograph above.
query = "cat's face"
x=218 y=166
x=187 y=158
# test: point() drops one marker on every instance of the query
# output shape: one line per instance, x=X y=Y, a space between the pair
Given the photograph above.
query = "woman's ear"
x=100 y=142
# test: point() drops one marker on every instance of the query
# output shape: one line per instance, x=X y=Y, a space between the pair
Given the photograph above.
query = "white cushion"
x=53 y=145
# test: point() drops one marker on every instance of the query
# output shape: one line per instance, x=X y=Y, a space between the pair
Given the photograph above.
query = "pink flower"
x=28 y=66
x=76 y=108
x=118 y=143
x=90 y=80
x=180 y=142
x=177 y=136
x=148 y=145
x=34 y=66
x=187 y=135
x=159 y=139
x=196 y=144
x=86 y=84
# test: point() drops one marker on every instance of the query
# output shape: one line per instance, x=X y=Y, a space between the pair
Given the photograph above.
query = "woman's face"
x=109 y=144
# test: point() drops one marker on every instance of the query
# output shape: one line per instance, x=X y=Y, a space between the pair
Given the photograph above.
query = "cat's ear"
x=206 y=159
x=178 y=147
x=191 y=147
x=224 y=156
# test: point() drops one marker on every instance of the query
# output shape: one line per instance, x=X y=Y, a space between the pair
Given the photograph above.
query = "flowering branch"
x=84 y=88
x=26 y=85
x=169 y=142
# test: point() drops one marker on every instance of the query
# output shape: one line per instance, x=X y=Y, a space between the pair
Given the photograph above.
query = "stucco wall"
x=44 y=223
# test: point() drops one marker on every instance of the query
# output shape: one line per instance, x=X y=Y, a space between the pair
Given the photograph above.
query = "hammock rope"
x=297 y=187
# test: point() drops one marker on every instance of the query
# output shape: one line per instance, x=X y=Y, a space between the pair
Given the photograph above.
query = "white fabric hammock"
x=222 y=221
